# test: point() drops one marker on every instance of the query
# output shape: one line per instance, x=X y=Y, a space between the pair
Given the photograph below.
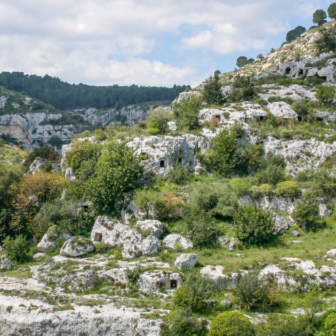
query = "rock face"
x=300 y=155
x=5 y=263
x=116 y=234
x=118 y=275
x=176 y=241
x=164 y=152
x=282 y=110
x=282 y=224
x=76 y=247
x=187 y=95
x=155 y=227
x=69 y=174
x=49 y=240
x=222 y=281
x=151 y=282
x=36 y=166
x=323 y=210
x=150 y=246
x=274 y=272
x=186 y=260
x=82 y=321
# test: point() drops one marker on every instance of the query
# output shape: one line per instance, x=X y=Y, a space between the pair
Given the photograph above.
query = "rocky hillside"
x=217 y=214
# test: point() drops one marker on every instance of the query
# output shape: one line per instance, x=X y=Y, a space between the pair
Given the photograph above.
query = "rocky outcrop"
x=152 y=226
x=76 y=247
x=5 y=263
x=282 y=224
x=229 y=243
x=222 y=281
x=281 y=277
x=118 y=275
x=176 y=242
x=282 y=110
x=36 y=166
x=69 y=174
x=50 y=240
x=150 y=246
x=108 y=320
x=187 y=95
x=185 y=261
x=163 y=152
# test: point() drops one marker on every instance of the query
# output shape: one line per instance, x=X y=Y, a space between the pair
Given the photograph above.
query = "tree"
x=220 y=156
x=145 y=200
x=327 y=40
x=242 y=89
x=295 y=34
x=231 y=324
x=253 y=226
x=212 y=93
x=332 y=11
x=116 y=173
x=17 y=249
x=186 y=113
x=241 y=61
x=319 y=17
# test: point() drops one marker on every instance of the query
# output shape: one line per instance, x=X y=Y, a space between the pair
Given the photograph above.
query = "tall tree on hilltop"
x=332 y=11
x=212 y=93
x=319 y=17
x=241 y=61
x=295 y=34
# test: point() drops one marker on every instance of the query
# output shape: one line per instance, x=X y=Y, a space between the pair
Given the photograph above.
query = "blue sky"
x=144 y=42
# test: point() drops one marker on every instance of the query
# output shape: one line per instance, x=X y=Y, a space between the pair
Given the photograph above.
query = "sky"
x=143 y=42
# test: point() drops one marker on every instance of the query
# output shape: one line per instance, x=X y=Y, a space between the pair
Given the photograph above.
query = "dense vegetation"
x=63 y=95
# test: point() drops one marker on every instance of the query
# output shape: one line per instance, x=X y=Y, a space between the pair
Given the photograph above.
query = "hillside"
x=214 y=216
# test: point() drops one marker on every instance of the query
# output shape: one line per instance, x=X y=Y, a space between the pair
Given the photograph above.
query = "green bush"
x=242 y=89
x=212 y=93
x=44 y=152
x=2 y=142
x=326 y=95
x=17 y=249
x=179 y=174
x=100 y=135
x=300 y=108
x=133 y=277
x=186 y=113
x=327 y=40
x=231 y=324
x=253 y=293
x=266 y=189
x=239 y=186
x=287 y=189
x=330 y=323
x=270 y=169
x=145 y=200
x=253 y=226
x=194 y=290
x=158 y=119
x=123 y=129
x=152 y=131
x=182 y=322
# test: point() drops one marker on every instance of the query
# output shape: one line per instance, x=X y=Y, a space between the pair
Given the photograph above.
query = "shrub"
x=17 y=249
x=253 y=293
x=158 y=119
x=330 y=323
x=152 y=130
x=239 y=186
x=100 y=135
x=133 y=277
x=44 y=152
x=2 y=142
x=300 y=108
x=327 y=40
x=325 y=95
x=179 y=174
x=123 y=128
x=266 y=189
x=168 y=206
x=253 y=225
x=270 y=169
x=145 y=200
x=287 y=189
x=231 y=324
x=242 y=89
x=182 y=322
x=186 y=113
x=194 y=289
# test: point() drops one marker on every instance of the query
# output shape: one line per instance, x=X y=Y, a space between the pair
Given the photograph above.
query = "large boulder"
x=186 y=260
x=222 y=280
x=323 y=211
x=76 y=247
x=150 y=245
x=154 y=227
x=50 y=240
x=5 y=263
x=277 y=274
x=175 y=241
x=151 y=282
x=282 y=110
x=116 y=234
x=282 y=224
x=332 y=253
x=229 y=243
x=118 y=275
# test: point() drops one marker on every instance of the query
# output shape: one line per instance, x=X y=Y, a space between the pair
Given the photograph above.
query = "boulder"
x=38 y=255
x=186 y=260
x=151 y=282
x=69 y=174
x=150 y=245
x=332 y=253
x=323 y=210
x=118 y=275
x=296 y=233
x=76 y=247
x=229 y=243
x=50 y=240
x=155 y=227
x=210 y=303
x=227 y=303
x=280 y=224
x=282 y=110
x=175 y=241
x=172 y=126
x=5 y=263
x=36 y=166
x=274 y=272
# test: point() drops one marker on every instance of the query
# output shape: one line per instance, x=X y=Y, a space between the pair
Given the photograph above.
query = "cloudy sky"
x=144 y=42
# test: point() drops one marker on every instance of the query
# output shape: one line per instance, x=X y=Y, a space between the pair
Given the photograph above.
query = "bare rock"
x=36 y=166
x=280 y=224
x=296 y=233
x=282 y=110
x=69 y=174
x=5 y=263
x=210 y=303
x=150 y=245
x=76 y=247
x=38 y=255
x=323 y=210
x=332 y=253
x=175 y=241
x=229 y=243
x=222 y=280
x=50 y=240
x=186 y=260
x=227 y=303
x=155 y=227
x=118 y=275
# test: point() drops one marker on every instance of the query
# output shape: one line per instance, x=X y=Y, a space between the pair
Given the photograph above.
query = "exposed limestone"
x=175 y=241
x=172 y=126
x=118 y=275
x=275 y=273
x=282 y=110
x=222 y=281
x=186 y=260
x=227 y=303
x=155 y=227
x=5 y=263
x=323 y=210
x=229 y=243
x=150 y=245
x=69 y=174
x=76 y=247
x=327 y=116
x=187 y=95
x=36 y=166
x=281 y=224
x=50 y=240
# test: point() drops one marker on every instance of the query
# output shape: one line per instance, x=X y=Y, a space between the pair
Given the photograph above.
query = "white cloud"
x=114 y=41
